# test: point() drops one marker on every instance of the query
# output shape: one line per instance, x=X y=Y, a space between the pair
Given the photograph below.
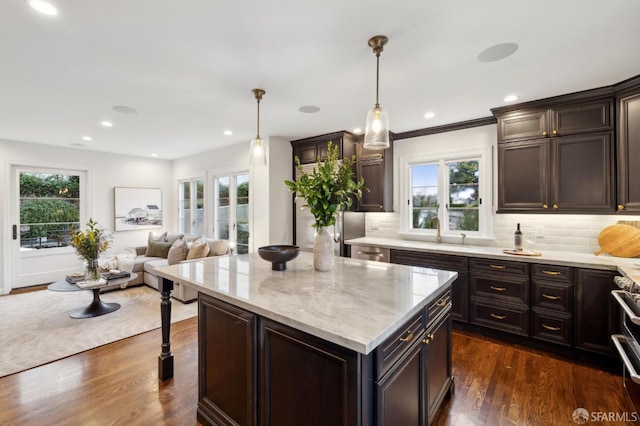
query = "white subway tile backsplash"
x=572 y=233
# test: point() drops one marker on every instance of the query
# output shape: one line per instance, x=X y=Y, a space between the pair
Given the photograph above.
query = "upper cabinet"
x=309 y=150
x=557 y=156
x=376 y=168
x=628 y=147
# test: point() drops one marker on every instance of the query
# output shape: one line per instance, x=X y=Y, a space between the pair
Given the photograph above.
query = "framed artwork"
x=137 y=208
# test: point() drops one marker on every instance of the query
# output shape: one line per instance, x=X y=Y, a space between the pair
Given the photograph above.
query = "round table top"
x=64 y=285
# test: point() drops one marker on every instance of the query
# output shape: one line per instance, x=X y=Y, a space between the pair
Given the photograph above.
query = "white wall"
x=105 y=171
x=571 y=233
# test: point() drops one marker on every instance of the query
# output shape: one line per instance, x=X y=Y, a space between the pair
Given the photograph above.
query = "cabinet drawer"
x=551 y=326
x=500 y=266
x=552 y=295
x=439 y=306
x=429 y=260
x=504 y=288
x=510 y=318
x=552 y=272
x=398 y=343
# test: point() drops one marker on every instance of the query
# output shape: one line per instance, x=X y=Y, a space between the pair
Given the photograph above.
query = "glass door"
x=191 y=210
x=232 y=210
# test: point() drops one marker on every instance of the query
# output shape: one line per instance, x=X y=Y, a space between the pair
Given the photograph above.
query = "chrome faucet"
x=464 y=237
x=437 y=221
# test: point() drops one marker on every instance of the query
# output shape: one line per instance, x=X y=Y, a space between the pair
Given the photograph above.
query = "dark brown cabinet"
x=594 y=310
x=459 y=264
x=376 y=168
x=552 y=303
x=628 y=149
x=564 y=175
x=556 y=158
x=309 y=150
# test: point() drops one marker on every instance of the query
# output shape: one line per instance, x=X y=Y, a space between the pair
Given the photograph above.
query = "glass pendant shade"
x=258 y=153
x=376 y=132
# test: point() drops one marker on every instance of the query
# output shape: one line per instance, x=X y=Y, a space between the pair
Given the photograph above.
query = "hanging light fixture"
x=258 y=149
x=376 y=133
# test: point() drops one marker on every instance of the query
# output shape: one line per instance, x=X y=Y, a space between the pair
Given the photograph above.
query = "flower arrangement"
x=329 y=189
x=92 y=242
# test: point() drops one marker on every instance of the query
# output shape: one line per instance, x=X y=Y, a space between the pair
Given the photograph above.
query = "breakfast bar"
x=365 y=343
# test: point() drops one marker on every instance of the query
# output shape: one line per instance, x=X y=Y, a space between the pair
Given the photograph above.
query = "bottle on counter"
x=518 y=239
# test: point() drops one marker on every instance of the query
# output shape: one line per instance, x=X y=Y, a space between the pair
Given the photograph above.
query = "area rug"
x=35 y=327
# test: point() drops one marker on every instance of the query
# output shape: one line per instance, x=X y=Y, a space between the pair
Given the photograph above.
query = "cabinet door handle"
x=442 y=303
x=548 y=327
x=544 y=206
x=620 y=207
x=554 y=133
x=500 y=317
x=551 y=272
x=408 y=338
x=555 y=206
x=545 y=134
x=497 y=288
x=497 y=266
x=429 y=338
x=547 y=296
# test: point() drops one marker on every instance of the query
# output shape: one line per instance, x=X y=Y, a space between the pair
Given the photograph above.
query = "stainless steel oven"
x=628 y=343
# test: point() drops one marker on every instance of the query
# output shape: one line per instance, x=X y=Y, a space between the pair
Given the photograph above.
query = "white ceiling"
x=188 y=66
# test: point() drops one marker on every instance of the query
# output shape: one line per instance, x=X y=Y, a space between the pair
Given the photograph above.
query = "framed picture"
x=137 y=208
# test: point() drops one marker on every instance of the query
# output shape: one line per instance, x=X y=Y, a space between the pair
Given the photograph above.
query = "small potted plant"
x=89 y=245
x=329 y=189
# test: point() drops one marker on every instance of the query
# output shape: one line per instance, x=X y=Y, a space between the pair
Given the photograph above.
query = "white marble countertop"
x=357 y=305
x=629 y=267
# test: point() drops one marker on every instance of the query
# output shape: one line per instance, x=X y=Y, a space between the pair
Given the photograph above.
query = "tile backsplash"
x=571 y=233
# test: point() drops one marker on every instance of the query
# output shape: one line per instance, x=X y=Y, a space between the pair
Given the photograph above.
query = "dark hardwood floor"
x=496 y=384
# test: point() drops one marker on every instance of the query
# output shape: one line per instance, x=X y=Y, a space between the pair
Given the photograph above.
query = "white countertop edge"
x=355 y=345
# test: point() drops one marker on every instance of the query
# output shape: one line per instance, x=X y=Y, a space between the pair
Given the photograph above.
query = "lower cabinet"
x=257 y=371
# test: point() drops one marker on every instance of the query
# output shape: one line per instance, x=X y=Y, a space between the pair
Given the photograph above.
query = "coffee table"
x=97 y=307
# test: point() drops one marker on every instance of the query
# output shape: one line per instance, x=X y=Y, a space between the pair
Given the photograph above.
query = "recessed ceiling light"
x=107 y=124
x=228 y=132
x=511 y=98
x=357 y=130
x=154 y=155
x=429 y=115
x=43 y=7
x=124 y=109
x=86 y=138
x=309 y=109
x=497 y=52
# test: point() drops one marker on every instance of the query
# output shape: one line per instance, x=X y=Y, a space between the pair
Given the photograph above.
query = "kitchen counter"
x=625 y=266
x=357 y=305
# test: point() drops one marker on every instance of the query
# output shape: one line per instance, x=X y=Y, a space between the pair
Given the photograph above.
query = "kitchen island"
x=363 y=344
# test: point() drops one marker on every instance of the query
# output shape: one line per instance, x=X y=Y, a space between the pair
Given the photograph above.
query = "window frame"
x=405 y=191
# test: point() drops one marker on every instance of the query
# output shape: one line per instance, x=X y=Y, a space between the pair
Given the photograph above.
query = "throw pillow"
x=177 y=252
x=173 y=236
x=198 y=251
x=217 y=247
x=156 y=238
x=158 y=249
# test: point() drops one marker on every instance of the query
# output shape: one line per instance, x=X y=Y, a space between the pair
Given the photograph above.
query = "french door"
x=191 y=210
x=232 y=210
x=48 y=205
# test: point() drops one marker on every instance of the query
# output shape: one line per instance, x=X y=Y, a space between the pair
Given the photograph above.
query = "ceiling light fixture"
x=107 y=124
x=228 y=132
x=86 y=138
x=357 y=130
x=376 y=131
x=43 y=7
x=429 y=115
x=258 y=155
x=510 y=98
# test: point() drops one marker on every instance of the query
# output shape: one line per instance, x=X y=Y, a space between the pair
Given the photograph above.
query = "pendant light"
x=258 y=155
x=376 y=133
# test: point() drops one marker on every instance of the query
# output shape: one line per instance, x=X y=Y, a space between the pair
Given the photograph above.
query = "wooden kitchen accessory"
x=620 y=241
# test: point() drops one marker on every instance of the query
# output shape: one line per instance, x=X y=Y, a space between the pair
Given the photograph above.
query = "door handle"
x=15 y=232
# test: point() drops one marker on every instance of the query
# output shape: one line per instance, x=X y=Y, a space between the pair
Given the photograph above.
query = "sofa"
x=170 y=248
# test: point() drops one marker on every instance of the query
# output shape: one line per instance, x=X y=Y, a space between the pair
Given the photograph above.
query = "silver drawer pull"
x=547 y=296
x=548 y=327
x=500 y=317
x=544 y=271
x=497 y=288
x=497 y=266
x=371 y=253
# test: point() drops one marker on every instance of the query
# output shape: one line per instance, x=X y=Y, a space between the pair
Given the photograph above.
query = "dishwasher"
x=380 y=254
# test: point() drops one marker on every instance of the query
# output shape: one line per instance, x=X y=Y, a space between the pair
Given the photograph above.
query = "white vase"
x=323 y=256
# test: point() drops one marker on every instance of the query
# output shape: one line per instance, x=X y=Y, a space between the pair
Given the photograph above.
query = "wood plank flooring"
x=496 y=384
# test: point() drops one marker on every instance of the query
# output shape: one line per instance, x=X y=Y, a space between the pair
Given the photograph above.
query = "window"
x=191 y=210
x=232 y=210
x=49 y=209
x=450 y=190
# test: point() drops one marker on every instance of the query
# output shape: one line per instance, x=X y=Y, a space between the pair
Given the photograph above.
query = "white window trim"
x=485 y=231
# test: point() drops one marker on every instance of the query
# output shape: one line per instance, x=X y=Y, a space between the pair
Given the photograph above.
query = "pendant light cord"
x=377 y=76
